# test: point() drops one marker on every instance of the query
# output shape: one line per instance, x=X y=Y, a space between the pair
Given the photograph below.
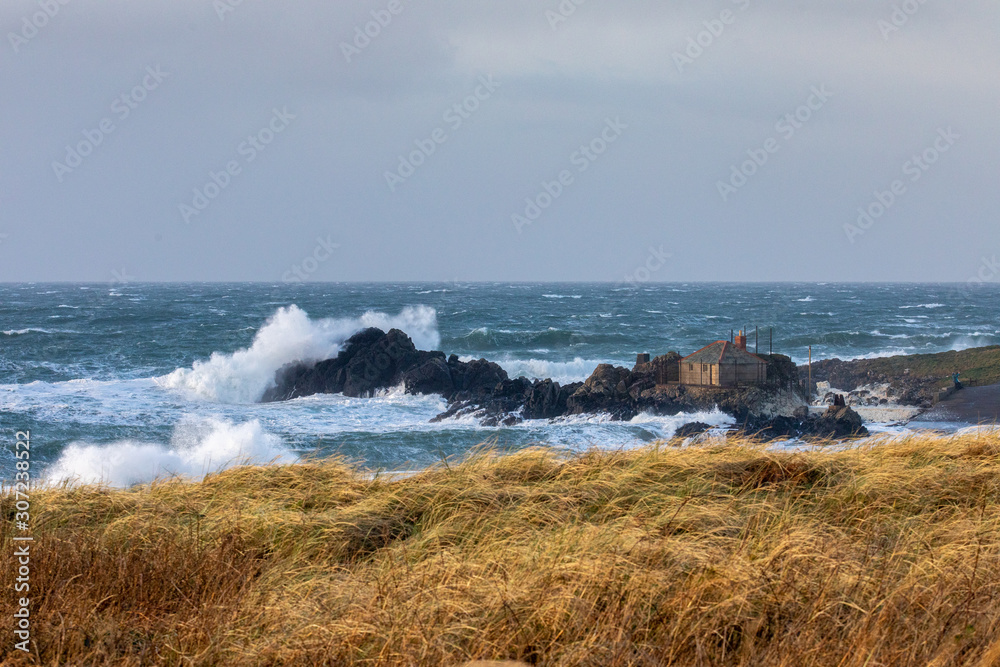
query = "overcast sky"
x=250 y=140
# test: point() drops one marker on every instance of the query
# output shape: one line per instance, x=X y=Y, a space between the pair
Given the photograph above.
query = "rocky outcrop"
x=836 y=422
x=606 y=390
x=511 y=402
x=862 y=377
x=912 y=380
x=691 y=430
x=373 y=360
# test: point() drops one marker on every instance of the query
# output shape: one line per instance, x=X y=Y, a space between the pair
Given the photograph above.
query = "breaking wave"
x=197 y=448
x=562 y=372
x=289 y=336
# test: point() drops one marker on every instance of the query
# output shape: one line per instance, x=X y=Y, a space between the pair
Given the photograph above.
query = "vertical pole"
x=756 y=339
x=770 y=342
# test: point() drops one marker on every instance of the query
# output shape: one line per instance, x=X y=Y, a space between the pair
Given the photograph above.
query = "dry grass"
x=717 y=555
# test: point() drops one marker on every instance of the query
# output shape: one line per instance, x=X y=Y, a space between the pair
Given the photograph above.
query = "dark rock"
x=545 y=400
x=773 y=427
x=904 y=387
x=691 y=430
x=475 y=378
x=372 y=360
x=431 y=377
x=606 y=390
x=837 y=422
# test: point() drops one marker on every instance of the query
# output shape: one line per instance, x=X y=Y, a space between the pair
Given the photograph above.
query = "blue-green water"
x=127 y=381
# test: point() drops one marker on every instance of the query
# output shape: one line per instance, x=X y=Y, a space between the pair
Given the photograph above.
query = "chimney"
x=741 y=341
x=642 y=359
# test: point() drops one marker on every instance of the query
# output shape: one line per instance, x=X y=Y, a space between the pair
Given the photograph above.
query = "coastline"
x=887 y=391
x=707 y=554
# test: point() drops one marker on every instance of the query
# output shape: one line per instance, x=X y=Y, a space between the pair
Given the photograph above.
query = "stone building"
x=723 y=364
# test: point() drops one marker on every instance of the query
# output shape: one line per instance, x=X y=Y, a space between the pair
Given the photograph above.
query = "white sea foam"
x=889 y=352
x=24 y=332
x=971 y=341
x=288 y=336
x=923 y=305
x=197 y=447
x=668 y=425
x=603 y=432
x=562 y=372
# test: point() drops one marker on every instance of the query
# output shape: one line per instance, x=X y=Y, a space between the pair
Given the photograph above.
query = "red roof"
x=716 y=352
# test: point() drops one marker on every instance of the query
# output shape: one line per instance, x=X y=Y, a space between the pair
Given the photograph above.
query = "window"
x=704 y=368
x=690 y=367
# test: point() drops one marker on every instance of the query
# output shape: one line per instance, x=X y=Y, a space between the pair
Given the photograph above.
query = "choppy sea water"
x=125 y=382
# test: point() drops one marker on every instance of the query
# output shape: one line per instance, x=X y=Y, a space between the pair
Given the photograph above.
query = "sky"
x=461 y=140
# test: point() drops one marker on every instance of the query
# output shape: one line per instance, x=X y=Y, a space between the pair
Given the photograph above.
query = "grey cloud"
x=325 y=175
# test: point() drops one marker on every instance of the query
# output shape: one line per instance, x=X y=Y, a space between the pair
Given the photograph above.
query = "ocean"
x=123 y=383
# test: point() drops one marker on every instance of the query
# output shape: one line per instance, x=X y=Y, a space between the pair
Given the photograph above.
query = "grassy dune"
x=715 y=555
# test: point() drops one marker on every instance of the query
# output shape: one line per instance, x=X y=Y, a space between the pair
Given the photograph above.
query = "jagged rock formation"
x=692 y=429
x=838 y=421
x=373 y=360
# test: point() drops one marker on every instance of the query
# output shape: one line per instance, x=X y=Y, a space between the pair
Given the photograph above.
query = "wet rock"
x=691 y=430
x=372 y=360
x=838 y=422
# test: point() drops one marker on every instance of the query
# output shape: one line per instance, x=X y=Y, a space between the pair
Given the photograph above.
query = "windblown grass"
x=714 y=555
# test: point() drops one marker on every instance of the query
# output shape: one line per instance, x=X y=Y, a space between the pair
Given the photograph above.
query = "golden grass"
x=713 y=555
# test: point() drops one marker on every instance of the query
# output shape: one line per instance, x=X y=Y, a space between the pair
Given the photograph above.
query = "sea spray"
x=563 y=372
x=289 y=336
x=197 y=447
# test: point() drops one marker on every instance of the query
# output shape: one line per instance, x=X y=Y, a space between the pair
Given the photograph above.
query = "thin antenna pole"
x=770 y=342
